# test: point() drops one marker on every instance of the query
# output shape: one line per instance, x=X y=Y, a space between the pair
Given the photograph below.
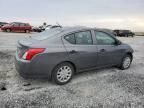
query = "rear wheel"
x=126 y=62
x=27 y=31
x=63 y=73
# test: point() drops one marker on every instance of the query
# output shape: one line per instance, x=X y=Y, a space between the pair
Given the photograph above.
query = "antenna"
x=58 y=24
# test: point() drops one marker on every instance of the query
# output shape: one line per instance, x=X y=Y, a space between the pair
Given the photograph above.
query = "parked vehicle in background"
x=2 y=24
x=139 y=33
x=125 y=33
x=17 y=27
x=60 y=53
x=38 y=29
x=54 y=26
x=43 y=28
x=111 y=31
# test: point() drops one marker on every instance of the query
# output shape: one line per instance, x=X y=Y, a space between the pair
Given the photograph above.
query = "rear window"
x=46 y=34
x=81 y=38
x=70 y=38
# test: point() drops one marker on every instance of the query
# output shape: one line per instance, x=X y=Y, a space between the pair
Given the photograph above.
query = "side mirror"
x=118 y=42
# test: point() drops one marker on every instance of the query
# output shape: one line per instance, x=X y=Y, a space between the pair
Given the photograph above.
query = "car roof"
x=65 y=30
x=19 y=23
x=77 y=28
x=68 y=30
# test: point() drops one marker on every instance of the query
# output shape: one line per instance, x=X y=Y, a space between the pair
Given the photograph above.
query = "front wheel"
x=126 y=62
x=8 y=30
x=63 y=73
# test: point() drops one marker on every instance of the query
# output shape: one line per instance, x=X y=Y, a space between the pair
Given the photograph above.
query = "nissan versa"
x=59 y=53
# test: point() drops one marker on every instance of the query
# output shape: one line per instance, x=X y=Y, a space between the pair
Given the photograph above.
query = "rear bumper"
x=22 y=67
x=27 y=70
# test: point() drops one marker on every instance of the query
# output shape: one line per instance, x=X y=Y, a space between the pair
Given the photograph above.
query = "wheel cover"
x=27 y=31
x=8 y=30
x=126 y=62
x=64 y=73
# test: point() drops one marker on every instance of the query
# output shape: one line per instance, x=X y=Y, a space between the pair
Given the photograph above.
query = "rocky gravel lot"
x=104 y=88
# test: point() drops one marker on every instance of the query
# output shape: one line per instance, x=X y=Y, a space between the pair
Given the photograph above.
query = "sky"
x=112 y=14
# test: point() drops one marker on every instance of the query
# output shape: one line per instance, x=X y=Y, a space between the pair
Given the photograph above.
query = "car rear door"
x=81 y=49
x=109 y=53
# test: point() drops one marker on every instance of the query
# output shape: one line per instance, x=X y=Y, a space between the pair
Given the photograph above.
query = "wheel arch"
x=8 y=28
x=70 y=62
x=26 y=30
x=130 y=53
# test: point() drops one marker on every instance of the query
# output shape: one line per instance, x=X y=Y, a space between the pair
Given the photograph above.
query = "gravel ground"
x=104 y=88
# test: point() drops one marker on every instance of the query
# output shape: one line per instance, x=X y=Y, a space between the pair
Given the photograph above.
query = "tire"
x=61 y=78
x=126 y=62
x=8 y=30
x=27 y=31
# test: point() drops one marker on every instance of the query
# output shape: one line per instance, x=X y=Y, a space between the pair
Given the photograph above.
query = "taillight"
x=30 y=53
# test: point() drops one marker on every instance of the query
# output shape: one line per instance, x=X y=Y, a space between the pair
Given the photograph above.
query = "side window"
x=22 y=24
x=83 y=38
x=104 y=39
x=27 y=24
x=70 y=38
x=16 y=24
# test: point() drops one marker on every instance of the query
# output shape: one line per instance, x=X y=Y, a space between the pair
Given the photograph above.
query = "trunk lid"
x=24 y=45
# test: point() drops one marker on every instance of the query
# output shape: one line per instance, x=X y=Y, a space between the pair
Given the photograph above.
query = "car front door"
x=16 y=27
x=109 y=52
x=22 y=27
x=81 y=49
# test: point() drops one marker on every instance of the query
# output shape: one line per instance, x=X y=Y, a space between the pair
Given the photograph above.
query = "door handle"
x=73 y=52
x=102 y=50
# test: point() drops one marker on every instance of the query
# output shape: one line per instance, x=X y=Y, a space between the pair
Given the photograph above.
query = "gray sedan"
x=60 y=53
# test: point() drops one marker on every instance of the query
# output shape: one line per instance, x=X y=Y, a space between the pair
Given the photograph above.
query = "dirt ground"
x=104 y=88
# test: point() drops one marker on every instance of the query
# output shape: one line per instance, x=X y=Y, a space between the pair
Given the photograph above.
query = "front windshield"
x=46 y=34
x=11 y=24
